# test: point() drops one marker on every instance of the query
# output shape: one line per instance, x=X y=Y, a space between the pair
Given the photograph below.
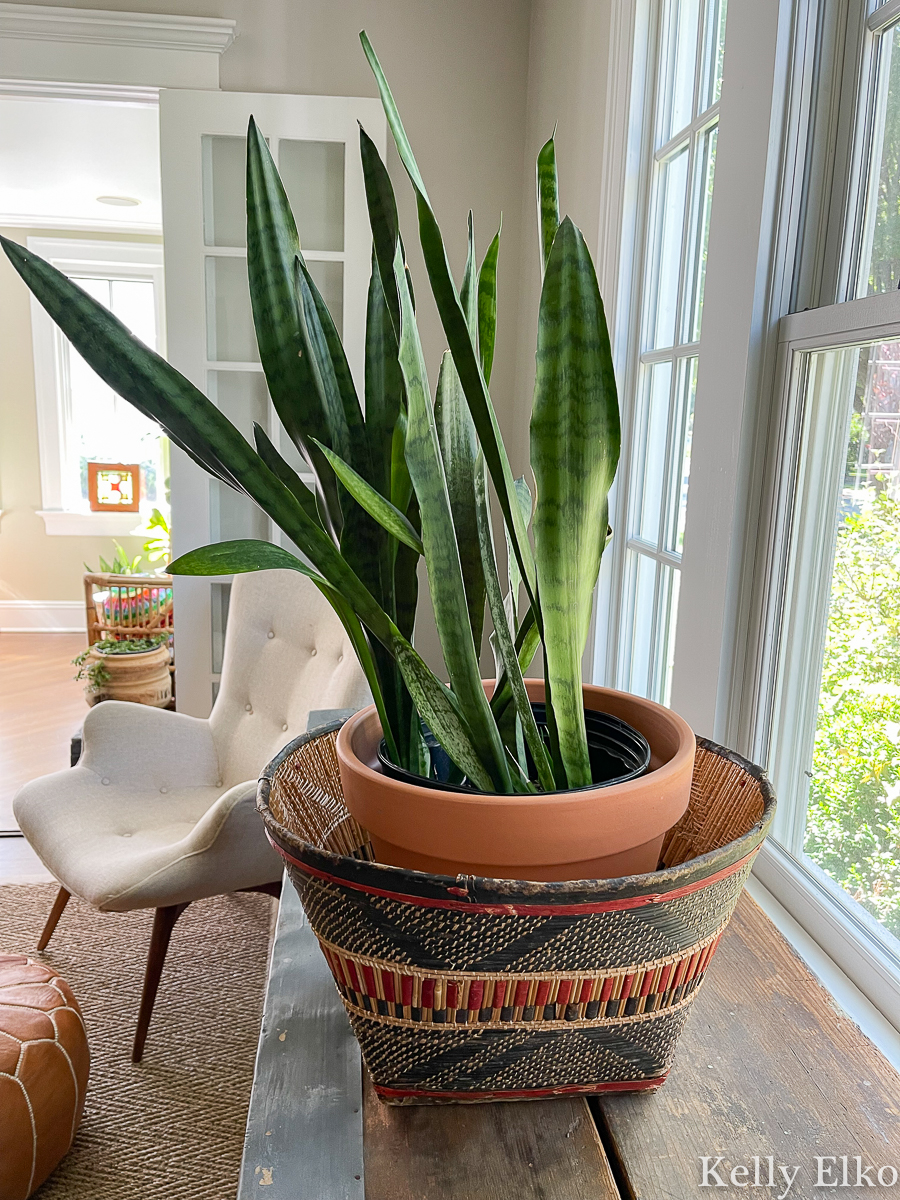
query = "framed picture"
x=114 y=487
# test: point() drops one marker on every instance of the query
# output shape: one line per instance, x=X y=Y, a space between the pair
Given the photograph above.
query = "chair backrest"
x=286 y=653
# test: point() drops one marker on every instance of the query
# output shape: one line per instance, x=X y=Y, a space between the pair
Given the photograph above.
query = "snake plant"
x=405 y=475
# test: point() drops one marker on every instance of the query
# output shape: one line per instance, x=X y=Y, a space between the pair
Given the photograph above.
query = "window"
x=80 y=419
x=829 y=724
x=682 y=115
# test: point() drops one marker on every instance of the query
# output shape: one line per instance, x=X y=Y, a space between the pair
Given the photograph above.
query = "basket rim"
x=422 y=884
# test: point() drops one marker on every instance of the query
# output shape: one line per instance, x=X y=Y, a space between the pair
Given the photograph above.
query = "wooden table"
x=766 y=1067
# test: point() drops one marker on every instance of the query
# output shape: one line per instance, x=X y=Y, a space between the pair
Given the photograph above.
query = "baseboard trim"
x=42 y=616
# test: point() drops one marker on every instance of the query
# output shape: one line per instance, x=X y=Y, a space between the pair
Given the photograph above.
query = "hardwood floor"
x=41 y=706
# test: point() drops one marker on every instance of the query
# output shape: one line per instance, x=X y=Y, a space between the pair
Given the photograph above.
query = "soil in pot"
x=591 y=833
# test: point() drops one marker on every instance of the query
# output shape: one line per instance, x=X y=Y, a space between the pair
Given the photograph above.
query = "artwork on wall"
x=114 y=487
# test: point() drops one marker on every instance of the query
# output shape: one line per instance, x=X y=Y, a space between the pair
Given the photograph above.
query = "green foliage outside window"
x=853 y=821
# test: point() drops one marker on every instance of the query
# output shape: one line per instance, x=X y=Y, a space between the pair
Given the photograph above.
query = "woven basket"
x=469 y=990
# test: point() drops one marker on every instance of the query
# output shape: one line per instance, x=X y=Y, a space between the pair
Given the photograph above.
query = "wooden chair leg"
x=62 y=899
x=163 y=923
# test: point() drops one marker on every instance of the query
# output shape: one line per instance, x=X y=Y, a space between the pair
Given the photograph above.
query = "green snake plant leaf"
x=487 y=306
x=381 y=510
x=468 y=293
x=456 y=331
x=238 y=557
x=382 y=207
x=367 y=660
x=504 y=640
x=384 y=384
x=362 y=541
x=574 y=451
x=285 y=472
x=426 y=469
x=272 y=248
x=523 y=493
x=548 y=197
x=459 y=448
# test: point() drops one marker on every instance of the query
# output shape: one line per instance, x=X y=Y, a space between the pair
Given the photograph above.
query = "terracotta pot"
x=142 y=677
x=592 y=833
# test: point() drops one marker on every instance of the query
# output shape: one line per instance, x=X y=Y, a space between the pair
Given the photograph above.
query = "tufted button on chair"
x=161 y=808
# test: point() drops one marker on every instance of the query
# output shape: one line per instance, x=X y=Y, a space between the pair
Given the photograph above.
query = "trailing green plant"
x=405 y=476
x=95 y=670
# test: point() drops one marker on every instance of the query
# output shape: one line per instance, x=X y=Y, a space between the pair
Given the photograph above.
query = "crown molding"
x=38 y=22
x=27 y=89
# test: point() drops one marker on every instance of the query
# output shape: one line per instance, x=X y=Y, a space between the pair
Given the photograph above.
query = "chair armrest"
x=135 y=744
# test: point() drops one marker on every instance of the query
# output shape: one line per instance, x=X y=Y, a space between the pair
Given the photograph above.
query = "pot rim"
x=535 y=892
x=686 y=740
x=128 y=653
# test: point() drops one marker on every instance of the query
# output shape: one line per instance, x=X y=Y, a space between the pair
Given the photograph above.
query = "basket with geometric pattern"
x=470 y=990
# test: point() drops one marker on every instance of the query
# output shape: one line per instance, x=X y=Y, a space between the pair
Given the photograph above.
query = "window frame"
x=80 y=256
x=628 y=267
x=853 y=938
x=782 y=188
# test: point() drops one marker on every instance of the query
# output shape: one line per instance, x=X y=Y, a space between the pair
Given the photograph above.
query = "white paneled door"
x=315 y=142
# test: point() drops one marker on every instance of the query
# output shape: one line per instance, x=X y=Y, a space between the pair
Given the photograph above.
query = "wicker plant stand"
x=468 y=989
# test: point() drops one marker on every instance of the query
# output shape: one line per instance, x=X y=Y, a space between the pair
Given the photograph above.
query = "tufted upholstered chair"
x=161 y=808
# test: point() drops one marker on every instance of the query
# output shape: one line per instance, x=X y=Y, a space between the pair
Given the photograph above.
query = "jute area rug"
x=172 y=1126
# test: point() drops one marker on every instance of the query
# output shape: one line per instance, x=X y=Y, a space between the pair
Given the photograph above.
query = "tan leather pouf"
x=44 y=1066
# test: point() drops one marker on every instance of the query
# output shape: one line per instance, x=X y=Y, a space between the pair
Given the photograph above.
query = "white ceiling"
x=58 y=155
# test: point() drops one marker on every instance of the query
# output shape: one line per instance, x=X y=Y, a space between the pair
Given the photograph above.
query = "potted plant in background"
x=538 y=779
x=133 y=669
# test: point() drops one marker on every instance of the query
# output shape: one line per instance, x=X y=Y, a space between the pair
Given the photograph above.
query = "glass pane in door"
x=853 y=813
x=229 y=318
x=313 y=176
x=224 y=191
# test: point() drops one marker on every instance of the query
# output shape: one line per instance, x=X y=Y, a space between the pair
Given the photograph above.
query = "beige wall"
x=33 y=565
x=567 y=71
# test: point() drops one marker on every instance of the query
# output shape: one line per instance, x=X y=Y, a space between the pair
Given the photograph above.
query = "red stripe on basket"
x=586 y=989
x=564 y=991
x=428 y=993
x=647 y=983
x=543 y=991
x=499 y=993
x=606 y=990
x=521 y=993
x=406 y=989
x=536 y=910
x=635 y=1085
x=664 y=977
x=387 y=982
x=452 y=995
x=369 y=977
x=353 y=977
x=476 y=993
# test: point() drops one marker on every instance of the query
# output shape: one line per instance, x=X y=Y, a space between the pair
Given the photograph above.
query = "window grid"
x=691 y=43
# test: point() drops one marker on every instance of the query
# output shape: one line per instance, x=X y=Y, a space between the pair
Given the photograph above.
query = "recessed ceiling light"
x=119 y=201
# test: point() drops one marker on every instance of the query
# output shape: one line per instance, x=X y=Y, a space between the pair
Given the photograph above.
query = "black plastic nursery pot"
x=617 y=752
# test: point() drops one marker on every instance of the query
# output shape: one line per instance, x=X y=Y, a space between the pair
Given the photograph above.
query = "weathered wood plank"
x=766 y=1066
x=304 y=1129
x=537 y=1150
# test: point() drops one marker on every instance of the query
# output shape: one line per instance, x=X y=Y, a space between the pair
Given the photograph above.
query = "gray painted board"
x=304 y=1137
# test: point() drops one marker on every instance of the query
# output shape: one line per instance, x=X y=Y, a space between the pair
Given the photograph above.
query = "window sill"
x=101 y=524
x=846 y=941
